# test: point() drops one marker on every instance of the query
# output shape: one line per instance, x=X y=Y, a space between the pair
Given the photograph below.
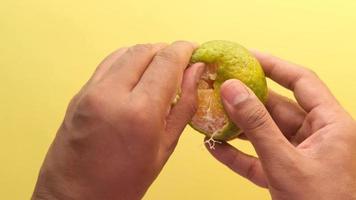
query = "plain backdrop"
x=49 y=48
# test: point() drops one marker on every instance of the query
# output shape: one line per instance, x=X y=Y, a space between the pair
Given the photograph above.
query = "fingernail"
x=234 y=92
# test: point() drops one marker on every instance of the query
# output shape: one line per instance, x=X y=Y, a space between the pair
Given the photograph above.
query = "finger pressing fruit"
x=224 y=60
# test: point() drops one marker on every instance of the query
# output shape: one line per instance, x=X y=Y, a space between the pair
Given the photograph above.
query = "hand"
x=120 y=129
x=306 y=150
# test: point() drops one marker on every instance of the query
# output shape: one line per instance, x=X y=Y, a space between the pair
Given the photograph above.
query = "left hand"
x=120 y=129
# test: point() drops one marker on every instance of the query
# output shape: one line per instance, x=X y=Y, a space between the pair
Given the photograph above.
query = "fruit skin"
x=235 y=62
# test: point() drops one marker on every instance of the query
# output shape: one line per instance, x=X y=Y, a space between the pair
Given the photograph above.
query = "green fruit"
x=224 y=60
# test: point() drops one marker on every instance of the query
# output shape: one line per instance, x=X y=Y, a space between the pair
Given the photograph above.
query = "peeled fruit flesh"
x=224 y=60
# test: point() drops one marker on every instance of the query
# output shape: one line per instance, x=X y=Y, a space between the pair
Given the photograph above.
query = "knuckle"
x=87 y=110
x=183 y=43
x=309 y=72
x=141 y=48
x=231 y=161
x=139 y=112
x=168 y=55
x=74 y=101
x=252 y=170
x=257 y=118
x=141 y=117
x=91 y=101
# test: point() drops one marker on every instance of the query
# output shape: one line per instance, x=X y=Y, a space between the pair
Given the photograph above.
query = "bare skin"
x=120 y=129
x=306 y=149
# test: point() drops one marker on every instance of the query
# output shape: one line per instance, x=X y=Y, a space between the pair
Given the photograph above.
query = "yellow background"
x=49 y=48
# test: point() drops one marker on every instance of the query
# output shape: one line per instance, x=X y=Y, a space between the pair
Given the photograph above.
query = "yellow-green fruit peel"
x=224 y=60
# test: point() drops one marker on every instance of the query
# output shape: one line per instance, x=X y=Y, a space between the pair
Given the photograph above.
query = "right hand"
x=306 y=150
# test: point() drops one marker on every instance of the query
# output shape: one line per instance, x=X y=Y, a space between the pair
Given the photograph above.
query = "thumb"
x=249 y=114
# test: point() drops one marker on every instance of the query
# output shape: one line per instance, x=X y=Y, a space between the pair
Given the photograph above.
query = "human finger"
x=286 y=113
x=183 y=111
x=127 y=70
x=164 y=74
x=243 y=164
x=105 y=65
x=308 y=89
x=248 y=113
